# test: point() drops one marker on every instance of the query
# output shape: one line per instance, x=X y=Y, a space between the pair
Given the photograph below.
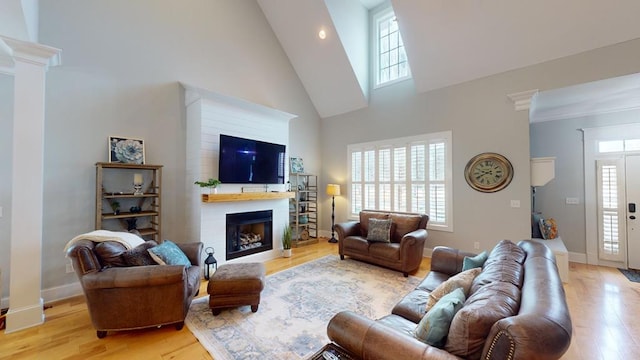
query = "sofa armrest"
x=348 y=228
x=135 y=276
x=368 y=339
x=414 y=238
x=193 y=251
x=447 y=260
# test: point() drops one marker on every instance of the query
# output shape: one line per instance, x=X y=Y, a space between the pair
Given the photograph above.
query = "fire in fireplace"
x=249 y=233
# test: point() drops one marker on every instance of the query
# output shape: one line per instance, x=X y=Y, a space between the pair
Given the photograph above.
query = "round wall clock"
x=488 y=172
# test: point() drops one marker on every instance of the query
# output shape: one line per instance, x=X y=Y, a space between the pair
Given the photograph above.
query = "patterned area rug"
x=631 y=274
x=295 y=308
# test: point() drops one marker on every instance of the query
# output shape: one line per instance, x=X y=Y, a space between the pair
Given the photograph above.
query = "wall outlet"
x=572 y=201
x=476 y=245
x=515 y=203
x=70 y=268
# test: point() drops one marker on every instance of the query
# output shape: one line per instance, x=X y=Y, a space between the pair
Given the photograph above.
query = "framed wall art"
x=126 y=150
x=297 y=167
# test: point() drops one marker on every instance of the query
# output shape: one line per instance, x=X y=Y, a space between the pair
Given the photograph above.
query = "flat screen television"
x=246 y=161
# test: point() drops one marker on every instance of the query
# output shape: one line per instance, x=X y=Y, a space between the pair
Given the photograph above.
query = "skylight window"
x=391 y=63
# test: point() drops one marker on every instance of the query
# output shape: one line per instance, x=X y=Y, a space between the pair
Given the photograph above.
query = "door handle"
x=632 y=217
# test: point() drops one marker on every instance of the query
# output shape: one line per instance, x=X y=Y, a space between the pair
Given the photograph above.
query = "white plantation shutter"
x=409 y=174
x=609 y=215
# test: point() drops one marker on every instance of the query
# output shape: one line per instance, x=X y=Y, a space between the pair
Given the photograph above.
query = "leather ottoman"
x=236 y=285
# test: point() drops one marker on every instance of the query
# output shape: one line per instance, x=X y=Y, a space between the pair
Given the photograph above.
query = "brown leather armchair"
x=134 y=297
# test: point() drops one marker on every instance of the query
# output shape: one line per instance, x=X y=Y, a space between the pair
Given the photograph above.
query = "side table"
x=334 y=349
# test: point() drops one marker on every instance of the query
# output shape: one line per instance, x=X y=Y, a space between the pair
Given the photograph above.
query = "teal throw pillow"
x=168 y=253
x=379 y=230
x=434 y=326
x=475 y=261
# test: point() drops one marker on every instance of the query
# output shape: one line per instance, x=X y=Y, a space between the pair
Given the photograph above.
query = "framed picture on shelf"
x=126 y=150
x=297 y=167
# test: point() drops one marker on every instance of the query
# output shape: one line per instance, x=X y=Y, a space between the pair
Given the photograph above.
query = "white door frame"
x=591 y=138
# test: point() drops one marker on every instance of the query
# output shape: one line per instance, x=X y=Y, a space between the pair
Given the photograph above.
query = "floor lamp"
x=333 y=190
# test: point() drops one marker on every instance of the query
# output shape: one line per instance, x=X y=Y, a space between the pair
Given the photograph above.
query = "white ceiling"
x=449 y=41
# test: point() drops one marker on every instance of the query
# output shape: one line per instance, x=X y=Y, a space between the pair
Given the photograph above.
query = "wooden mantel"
x=248 y=196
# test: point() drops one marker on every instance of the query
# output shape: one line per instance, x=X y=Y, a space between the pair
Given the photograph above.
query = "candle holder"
x=137 y=189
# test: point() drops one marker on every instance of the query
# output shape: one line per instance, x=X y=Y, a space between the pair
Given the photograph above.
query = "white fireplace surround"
x=209 y=114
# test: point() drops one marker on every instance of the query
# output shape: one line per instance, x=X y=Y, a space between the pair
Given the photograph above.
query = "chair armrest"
x=348 y=228
x=193 y=251
x=135 y=276
x=369 y=339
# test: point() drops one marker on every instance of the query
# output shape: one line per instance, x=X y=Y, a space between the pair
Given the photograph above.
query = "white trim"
x=522 y=100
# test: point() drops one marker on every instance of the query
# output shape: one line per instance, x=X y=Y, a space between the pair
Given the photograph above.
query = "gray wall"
x=562 y=139
x=482 y=119
x=6 y=152
x=122 y=61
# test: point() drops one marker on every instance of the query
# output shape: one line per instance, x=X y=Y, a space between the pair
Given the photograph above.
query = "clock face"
x=488 y=172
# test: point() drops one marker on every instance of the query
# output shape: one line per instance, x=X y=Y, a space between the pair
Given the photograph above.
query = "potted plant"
x=286 y=241
x=115 y=206
x=210 y=184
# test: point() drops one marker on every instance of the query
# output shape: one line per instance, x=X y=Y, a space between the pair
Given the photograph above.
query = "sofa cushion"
x=139 y=256
x=471 y=262
x=506 y=250
x=461 y=280
x=471 y=325
x=168 y=253
x=503 y=270
x=404 y=224
x=364 y=220
x=356 y=243
x=434 y=326
x=379 y=230
x=386 y=251
x=110 y=254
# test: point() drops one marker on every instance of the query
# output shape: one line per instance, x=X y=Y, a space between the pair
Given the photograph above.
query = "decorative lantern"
x=210 y=263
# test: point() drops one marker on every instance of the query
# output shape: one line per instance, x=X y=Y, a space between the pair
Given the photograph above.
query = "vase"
x=286 y=253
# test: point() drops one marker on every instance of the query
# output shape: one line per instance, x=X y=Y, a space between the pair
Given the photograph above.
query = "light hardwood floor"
x=603 y=305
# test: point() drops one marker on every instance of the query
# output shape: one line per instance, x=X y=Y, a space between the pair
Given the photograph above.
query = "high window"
x=390 y=57
x=411 y=174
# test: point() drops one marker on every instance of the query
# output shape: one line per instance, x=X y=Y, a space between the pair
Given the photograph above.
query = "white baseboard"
x=577 y=257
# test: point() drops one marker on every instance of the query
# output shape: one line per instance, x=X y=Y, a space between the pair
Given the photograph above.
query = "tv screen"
x=246 y=161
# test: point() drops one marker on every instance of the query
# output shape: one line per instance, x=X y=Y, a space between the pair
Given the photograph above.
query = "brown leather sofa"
x=539 y=326
x=403 y=253
x=121 y=297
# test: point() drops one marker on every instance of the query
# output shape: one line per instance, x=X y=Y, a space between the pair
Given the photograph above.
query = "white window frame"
x=377 y=18
x=376 y=148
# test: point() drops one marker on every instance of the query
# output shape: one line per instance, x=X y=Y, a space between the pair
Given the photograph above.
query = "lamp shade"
x=542 y=170
x=333 y=189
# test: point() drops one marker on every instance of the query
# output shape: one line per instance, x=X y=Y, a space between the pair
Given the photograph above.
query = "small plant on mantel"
x=286 y=241
x=210 y=184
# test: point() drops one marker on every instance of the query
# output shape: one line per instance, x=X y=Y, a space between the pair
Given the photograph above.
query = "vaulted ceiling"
x=447 y=41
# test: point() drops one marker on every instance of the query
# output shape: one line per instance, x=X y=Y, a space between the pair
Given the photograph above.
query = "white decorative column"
x=30 y=64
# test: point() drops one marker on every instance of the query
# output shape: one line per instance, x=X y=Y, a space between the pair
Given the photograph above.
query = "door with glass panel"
x=632 y=182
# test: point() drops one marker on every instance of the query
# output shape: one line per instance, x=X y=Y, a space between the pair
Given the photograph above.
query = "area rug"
x=631 y=274
x=295 y=308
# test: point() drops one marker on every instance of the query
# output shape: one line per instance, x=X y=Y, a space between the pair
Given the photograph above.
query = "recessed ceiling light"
x=322 y=34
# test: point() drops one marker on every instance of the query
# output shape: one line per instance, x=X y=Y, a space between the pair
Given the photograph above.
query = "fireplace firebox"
x=249 y=233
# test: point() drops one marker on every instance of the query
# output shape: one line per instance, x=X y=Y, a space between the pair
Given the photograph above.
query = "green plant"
x=115 y=206
x=286 y=238
x=212 y=183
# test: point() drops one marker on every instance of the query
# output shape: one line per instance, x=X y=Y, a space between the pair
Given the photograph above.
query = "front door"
x=633 y=209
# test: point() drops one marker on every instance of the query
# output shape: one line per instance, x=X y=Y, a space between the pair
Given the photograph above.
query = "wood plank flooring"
x=603 y=304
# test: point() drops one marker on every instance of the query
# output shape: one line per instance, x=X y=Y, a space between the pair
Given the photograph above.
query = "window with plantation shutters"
x=609 y=211
x=410 y=174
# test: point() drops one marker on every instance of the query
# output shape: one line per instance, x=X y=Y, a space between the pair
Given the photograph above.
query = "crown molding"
x=30 y=52
x=522 y=100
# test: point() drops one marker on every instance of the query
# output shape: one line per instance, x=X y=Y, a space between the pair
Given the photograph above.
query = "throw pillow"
x=477 y=261
x=379 y=230
x=168 y=253
x=434 y=326
x=139 y=256
x=461 y=280
x=548 y=228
